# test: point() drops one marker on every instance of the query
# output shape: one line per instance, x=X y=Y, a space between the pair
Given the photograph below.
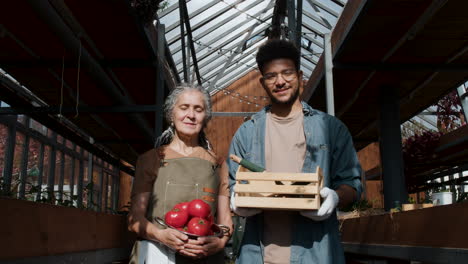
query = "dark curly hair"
x=277 y=49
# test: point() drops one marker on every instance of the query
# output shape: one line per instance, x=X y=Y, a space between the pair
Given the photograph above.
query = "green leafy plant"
x=360 y=205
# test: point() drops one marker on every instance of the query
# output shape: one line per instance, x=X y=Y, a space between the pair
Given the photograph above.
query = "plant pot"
x=441 y=198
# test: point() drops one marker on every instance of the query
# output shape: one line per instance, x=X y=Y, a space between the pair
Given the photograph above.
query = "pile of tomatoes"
x=193 y=217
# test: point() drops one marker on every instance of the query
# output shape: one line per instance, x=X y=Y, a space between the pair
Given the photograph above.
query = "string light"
x=223 y=52
x=247 y=14
x=244 y=98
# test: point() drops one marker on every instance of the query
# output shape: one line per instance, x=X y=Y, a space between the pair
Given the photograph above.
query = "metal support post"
x=79 y=185
x=158 y=125
x=390 y=149
x=329 y=75
x=52 y=161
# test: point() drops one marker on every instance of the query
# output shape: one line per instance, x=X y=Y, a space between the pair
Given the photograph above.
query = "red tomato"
x=210 y=219
x=182 y=206
x=176 y=217
x=198 y=208
x=198 y=226
x=182 y=228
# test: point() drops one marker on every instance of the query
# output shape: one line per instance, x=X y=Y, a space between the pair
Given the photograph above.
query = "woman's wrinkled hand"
x=202 y=247
x=172 y=239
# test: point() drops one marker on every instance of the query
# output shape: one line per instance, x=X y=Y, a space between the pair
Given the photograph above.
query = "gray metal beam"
x=24 y=164
x=197 y=12
x=328 y=60
x=221 y=36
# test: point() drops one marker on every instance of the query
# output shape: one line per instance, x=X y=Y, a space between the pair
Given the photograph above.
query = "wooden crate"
x=282 y=191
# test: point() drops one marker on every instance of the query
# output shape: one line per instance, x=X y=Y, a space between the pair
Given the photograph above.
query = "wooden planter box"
x=285 y=191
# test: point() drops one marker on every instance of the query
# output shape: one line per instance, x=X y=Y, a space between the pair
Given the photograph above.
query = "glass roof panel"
x=227 y=33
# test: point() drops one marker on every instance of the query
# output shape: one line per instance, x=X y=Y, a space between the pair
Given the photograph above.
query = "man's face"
x=281 y=81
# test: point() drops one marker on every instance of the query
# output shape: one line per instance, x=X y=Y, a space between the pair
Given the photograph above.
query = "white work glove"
x=328 y=206
x=245 y=212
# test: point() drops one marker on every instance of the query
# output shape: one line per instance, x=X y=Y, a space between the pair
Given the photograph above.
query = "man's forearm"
x=346 y=194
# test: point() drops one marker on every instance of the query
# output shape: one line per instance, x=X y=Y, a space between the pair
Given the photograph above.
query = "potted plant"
x=442 y=196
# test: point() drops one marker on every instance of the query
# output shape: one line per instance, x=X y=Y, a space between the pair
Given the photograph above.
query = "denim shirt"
x=329 y=146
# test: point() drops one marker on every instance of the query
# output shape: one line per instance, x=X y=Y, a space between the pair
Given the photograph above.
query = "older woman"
x=180 y=168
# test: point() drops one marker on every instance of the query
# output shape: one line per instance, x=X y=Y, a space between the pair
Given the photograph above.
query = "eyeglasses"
x=272 y=77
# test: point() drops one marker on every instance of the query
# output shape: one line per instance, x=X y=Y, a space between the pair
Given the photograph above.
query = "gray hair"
x=167 y=136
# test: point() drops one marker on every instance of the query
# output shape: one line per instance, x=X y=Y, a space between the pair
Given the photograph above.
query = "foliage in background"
x=450 y=113
x=420 y=143
x=360 y=205
x=420 y=147
x=146 y=9
x=409 y=129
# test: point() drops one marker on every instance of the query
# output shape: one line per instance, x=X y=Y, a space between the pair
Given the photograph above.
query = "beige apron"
x=182 y=180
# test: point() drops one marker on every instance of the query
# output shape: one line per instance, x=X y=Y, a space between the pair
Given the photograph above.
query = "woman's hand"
x=171 y=238
x=203 y=247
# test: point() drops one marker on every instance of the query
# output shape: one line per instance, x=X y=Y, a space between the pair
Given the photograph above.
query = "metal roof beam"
x=279 y=12
x=55 y=110
x=182 y=45
x=206 y=20
x=239 y=48
x=209 y=30
x=318 y=19
x=14 y=94
x=324 y=7
x=170 y=9
x=230 y=40
x=242 y=56
x=47 y=13
x=190 y=40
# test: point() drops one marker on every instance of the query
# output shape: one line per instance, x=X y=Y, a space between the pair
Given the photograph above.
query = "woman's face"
x=189 y=113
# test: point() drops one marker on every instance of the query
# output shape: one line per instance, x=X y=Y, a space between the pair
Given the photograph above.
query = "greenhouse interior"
x=83 y=86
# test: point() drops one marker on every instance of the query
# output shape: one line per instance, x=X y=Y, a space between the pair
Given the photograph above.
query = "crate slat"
x=278 y=203
x=277 y=189
x=266 y=176
x=259 y=190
